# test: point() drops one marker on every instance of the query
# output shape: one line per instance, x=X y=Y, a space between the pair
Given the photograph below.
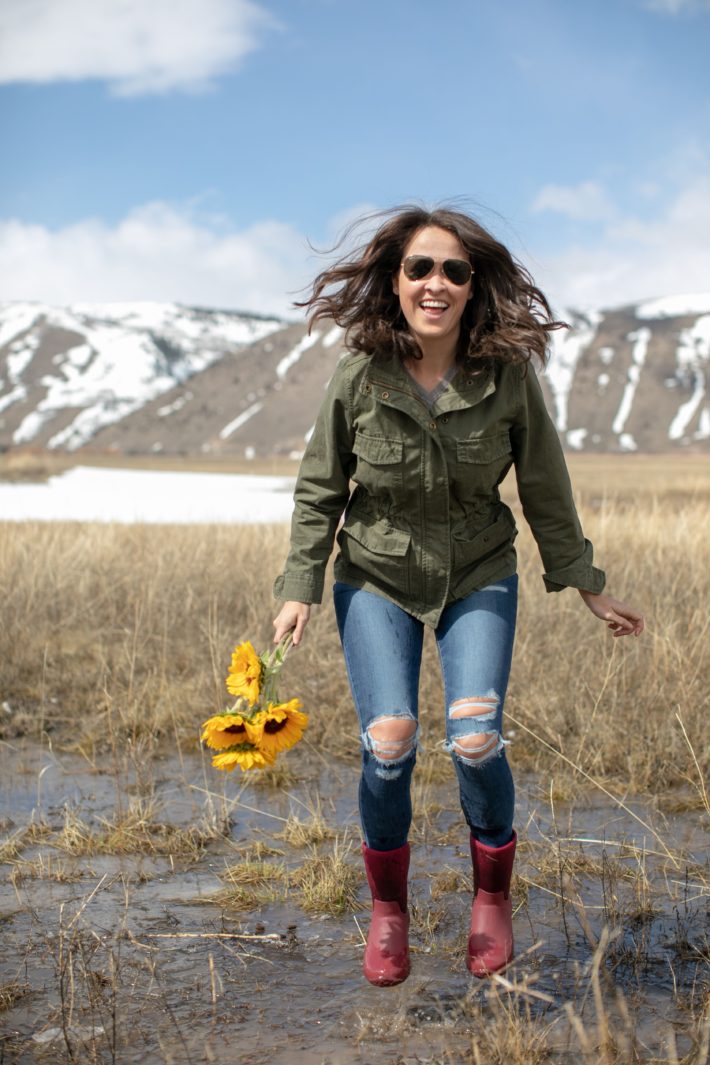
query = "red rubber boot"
x=386 y=959
x=490 y=942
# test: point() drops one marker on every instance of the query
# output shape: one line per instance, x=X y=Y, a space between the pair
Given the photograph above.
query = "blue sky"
x=190 y=149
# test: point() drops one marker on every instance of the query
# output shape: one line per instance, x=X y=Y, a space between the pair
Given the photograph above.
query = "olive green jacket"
x=424 y=524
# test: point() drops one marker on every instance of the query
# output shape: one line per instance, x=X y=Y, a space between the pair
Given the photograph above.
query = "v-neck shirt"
x=431 y=395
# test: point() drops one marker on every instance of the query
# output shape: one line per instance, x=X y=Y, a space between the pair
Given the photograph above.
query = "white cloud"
x=638 y=258
x=586 y=201
x=157 y=252
x=139 y=46
x=162 y=251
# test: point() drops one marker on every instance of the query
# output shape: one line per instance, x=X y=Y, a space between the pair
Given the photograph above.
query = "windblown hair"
x=507 y=319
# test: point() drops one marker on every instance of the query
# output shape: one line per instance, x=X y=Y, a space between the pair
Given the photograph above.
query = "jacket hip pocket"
x=470 y=550
x=378 y=550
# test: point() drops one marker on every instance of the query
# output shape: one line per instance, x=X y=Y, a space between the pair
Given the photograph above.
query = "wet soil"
x=128 y=957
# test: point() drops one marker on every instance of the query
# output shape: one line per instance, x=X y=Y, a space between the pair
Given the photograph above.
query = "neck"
x=437 y=357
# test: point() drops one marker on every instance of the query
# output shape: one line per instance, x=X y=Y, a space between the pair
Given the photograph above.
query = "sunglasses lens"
x=458 y=271
x=417 y=267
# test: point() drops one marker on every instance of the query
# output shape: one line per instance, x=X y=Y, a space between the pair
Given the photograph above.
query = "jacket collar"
x=388 y=381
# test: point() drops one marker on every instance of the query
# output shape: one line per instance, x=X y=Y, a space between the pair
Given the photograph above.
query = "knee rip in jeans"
x=391 y=739
x=480 y=744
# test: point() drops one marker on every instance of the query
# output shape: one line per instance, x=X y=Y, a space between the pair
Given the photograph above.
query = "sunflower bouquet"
x=257 y=727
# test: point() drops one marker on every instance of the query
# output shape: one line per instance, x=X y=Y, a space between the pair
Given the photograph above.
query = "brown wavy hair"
x=508 y=318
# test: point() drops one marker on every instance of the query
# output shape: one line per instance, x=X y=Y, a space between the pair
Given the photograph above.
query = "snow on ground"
x=152 y=496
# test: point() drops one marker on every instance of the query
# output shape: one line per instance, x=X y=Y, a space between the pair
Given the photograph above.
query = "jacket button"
x=385 y=395
x=432 y=425
x=368 y=388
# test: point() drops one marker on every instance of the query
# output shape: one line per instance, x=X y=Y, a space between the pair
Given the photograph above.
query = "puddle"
x=127 y=957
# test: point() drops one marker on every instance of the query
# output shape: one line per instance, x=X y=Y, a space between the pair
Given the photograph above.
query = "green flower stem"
x=272 y=663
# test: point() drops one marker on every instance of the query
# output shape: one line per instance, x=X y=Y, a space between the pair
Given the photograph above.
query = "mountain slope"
x=153 y=377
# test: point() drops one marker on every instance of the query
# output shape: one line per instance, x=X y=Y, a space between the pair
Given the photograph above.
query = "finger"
x=299 y=630
x=621 y=625
x=281 y=629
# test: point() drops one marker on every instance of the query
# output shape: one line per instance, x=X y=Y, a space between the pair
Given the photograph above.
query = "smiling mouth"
x=433 y=305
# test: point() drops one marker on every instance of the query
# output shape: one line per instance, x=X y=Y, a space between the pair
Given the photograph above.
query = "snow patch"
x=17 y=394
x=669 y=306
x=333 y=336
x=295 y=354
x=703 y=430
x=240 y=420
x=641 y=338
x=575 y=438
x=20 y=356
x=565 y=351
x=606 y=354
x=627 y=442
x=692 y=353
x=126 y=496
x=175 y=406
x=17 y=318
x=30 y=426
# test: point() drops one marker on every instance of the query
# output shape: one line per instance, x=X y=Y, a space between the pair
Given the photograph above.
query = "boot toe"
x=386 y=960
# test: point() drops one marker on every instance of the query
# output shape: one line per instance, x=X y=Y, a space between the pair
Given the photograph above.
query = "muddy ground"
x=119 y=947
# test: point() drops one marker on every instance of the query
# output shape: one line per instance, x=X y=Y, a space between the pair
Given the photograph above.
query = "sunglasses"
x=417 y=267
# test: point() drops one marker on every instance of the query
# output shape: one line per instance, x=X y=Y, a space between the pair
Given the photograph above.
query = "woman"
x=433 y=404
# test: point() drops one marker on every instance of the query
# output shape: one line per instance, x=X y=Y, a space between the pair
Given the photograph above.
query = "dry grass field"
x=114 y=645
x=113 y=633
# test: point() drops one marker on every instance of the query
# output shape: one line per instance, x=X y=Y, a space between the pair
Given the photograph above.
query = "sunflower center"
x=275 y=726
x=235 y=728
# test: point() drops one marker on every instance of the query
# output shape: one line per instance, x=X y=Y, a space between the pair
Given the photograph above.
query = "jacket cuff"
x=579 y=574
x=298 y=589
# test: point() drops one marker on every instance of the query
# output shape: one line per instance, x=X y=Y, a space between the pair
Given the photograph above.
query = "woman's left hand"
x=622 y=619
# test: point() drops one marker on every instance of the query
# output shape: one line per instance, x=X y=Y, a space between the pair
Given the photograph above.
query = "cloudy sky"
x=195 y=150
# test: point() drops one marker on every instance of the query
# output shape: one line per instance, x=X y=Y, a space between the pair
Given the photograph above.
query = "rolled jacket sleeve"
x=546 y=495
x=321 y=494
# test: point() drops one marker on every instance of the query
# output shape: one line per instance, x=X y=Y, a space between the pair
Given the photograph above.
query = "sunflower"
x=245 y=673
x=243 y=755
x=224 y=730
x=283 y=725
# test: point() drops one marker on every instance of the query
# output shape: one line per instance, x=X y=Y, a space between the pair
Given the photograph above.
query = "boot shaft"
x=492 y=866
x=387 y=873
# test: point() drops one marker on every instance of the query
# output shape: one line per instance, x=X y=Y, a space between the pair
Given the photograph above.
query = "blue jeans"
x=383 y=649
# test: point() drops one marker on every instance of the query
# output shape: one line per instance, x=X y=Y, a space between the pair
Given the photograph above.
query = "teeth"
x=434 y=303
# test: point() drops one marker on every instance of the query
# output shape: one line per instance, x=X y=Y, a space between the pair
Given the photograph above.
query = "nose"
x=437 y=278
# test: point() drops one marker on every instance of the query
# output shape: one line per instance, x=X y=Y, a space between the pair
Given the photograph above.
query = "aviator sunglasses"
x=417 y=267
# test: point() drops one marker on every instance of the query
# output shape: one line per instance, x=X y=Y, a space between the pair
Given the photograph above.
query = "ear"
x=395 y=284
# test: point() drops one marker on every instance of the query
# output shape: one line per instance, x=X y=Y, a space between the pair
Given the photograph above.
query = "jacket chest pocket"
x=379 y=462
x=481 y=464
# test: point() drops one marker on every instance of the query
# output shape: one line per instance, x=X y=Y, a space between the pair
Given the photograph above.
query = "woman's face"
x=434 y=305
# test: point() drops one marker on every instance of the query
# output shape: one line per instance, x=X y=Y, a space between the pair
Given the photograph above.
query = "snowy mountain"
x=69 y=372
x=154 y=377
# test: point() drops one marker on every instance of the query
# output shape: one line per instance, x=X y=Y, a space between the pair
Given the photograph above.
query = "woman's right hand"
x=292 y=617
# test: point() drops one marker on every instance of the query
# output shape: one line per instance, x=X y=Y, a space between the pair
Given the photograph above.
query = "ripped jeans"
x=383 y=649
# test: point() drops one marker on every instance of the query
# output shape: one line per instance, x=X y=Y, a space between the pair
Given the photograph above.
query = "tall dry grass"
x=115 y=633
